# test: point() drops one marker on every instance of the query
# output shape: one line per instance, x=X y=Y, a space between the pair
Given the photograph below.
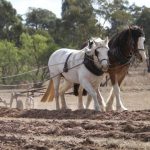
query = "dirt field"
x=44 y=128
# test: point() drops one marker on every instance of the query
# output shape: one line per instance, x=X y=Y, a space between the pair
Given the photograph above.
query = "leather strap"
x=66 y=64
x=89 y=64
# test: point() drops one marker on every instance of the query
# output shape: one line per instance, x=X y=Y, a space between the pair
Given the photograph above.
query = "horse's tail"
x=49 y=94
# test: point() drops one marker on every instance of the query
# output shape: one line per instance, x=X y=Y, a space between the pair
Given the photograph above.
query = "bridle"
x=136 y=52
x=96 y=54
x=122 y=59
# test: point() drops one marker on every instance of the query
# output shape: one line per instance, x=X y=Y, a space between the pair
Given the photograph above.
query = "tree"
x=40 y=18
x=35 y=52
x=79 y=21
x=9 y=62
x=116 y=13
x=9 y=21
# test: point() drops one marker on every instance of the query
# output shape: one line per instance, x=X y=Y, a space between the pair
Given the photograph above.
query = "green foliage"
x=116 y=13
x=9 y=61
x=35 y=51
x=40 y=18
x=8 y=20
x=27 y=45
x=79 y=21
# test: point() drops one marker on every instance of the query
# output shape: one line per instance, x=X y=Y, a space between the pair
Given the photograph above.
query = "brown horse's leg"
x=110 y=100
x=116 y=80
x=116 y=87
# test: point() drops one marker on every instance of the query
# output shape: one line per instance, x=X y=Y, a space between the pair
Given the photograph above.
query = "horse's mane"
x=123 y=39
x=119 y=39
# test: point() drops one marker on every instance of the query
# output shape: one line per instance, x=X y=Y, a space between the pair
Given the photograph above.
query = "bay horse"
x=123 y=47
x=75 y=66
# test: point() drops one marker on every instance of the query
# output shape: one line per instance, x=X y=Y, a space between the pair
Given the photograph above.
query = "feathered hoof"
x=81 y=107
x=121 y=109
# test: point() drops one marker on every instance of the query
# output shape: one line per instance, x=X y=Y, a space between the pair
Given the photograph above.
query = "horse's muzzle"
x=141 y=55
x=104 y=64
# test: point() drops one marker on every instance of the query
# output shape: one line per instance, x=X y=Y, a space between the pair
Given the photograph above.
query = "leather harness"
x=66 y=64
x=89 y=64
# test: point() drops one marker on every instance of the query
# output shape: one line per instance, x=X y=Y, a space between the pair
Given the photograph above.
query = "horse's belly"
x=72 y=76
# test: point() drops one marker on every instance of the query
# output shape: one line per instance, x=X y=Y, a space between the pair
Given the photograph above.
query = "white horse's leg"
x=88 y=87
x=110 y=100
x=80 y=98
x=119 y=104
x=101 y=100
x=56 y=82
x=63 y=88
x=89 y=99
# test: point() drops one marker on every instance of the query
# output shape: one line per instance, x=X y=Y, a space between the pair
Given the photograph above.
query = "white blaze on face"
x=103 y=54
x=104 y=59
x=141 y=48
x=141 y=43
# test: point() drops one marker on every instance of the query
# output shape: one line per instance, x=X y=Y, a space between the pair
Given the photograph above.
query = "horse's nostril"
x=105 y=68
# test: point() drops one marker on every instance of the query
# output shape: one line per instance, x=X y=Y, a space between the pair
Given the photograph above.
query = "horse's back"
x=61 y=54
x=58 y=58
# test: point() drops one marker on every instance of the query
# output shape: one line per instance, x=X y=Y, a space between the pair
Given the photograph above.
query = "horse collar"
x=89 y=64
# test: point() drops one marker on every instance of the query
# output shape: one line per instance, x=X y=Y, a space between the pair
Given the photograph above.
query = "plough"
x=29 y=102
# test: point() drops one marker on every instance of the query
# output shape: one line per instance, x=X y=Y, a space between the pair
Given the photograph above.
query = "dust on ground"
x=44 y=128
x=79 y=129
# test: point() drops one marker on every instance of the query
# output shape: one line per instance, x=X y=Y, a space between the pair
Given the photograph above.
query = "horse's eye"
x=96 y=53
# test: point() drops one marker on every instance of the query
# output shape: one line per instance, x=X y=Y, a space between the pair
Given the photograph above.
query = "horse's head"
x=98 y=48
x=139 y=38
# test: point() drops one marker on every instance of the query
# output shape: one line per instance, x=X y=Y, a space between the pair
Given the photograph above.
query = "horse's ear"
x=88 y=48
x=90 y=44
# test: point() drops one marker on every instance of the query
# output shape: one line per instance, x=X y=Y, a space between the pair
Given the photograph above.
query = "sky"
x=55 y=5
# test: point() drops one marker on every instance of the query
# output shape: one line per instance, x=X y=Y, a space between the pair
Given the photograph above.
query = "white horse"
x=76 y=66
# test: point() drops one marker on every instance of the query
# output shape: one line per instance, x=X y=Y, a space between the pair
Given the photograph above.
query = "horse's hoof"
x=120 y=109
x=81 y=107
